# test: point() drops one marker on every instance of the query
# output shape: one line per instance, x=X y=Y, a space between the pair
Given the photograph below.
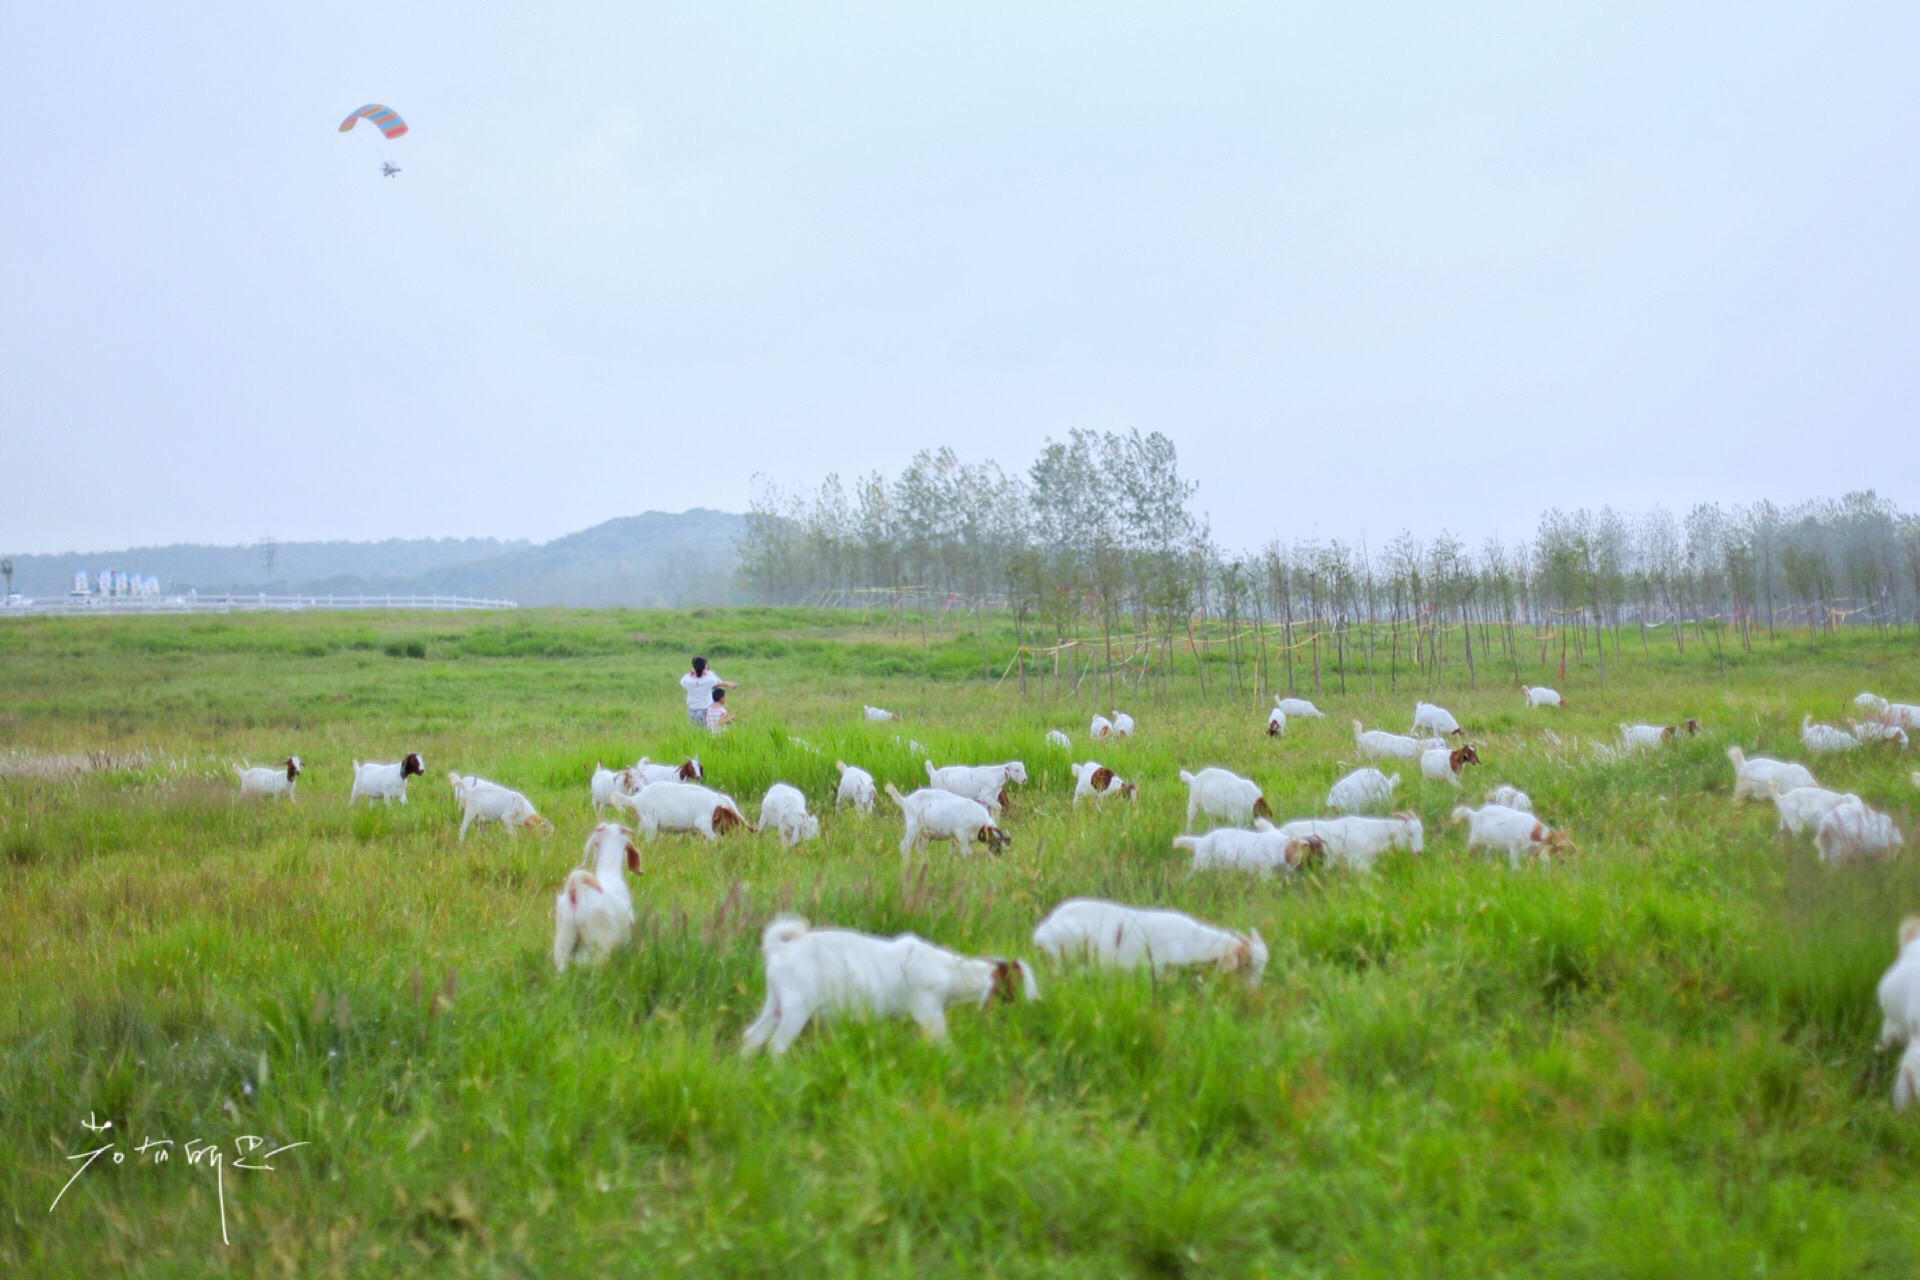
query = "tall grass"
x=1652 y=1059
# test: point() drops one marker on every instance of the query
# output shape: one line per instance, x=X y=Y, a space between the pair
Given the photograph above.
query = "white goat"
x=684 y=806
x=1123 y=937
x=1100 y=729
x=1869 y=731
x=856 y=787
x=986 y=783
x=1434 y=719
x=1538 y=696
x=269 y=780
x=1263 y=849
x=646 y=773
x=593 y=916
x=485 y=801
x=1059 y=739
x=1871 y=705
x=1899 y=993
x=1803 y=808
x=385 y=781
x=1824 y=739
x=1122 y=724
x=1361 y=790
x=606 y=782
x=1750 y=777
x=1514 y=830
x=932 y=814
x=1853 y=831
x=1355 y=841
x=877 y=713
x=1511 y=797
x=1374 y=744
x=1223 y=795
x=1640 y=737
x=1096 y=780
x=1276 y=722
x=813 y=971
x=784 y=809
x=1901 y=715
x=1438 y=764
x=1299 y=707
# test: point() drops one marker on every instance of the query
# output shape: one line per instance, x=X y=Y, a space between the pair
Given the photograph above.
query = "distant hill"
x=652 y=559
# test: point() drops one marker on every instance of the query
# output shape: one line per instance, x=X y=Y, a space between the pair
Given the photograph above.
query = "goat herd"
x=809 y=970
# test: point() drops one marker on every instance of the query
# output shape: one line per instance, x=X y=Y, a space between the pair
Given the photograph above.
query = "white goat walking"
x=856 y=787
x=1224 y=796
x=1122 y=937
x=269 y=780
x=1514 y=831
x=684 y=806
x=1751 y=778
x=1361 y=790
x=1095 y=779
x=812 y=971
x=593 y=916
x=932 y=814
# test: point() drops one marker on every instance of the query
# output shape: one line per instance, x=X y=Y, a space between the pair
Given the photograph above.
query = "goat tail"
x=580 y=878
x=1189 y=843
x=1462 y=814
x=1736 y=755
x=1186 y=777
x=897 y=797
x=783 y=931
x=841 y=765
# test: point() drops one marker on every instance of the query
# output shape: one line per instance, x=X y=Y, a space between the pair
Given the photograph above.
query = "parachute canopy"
x=386 y=118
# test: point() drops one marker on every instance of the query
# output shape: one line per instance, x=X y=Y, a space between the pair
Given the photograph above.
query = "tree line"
x=1097 y=557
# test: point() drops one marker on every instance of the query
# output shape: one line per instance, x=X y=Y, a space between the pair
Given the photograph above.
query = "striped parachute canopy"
x=386 y=118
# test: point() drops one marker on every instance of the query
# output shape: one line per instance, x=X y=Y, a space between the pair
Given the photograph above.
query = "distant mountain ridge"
x=655 y=559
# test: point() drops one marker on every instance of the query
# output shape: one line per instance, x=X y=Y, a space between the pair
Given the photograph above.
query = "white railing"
x=97 y=606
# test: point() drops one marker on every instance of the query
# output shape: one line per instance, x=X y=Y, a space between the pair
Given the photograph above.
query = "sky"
x=1370 y=266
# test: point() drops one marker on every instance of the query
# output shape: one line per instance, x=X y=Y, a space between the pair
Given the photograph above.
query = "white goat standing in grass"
x=485 y=801
x=1224 y=796
x=385 y=782
x=1824 y=739
x=784 y=809
x=1095 y=779
x=1514 y=831
x=932 y=814
x=812 y=971
x=1803 y=808
x=1540 y=696
x=269 y=780
x=1299 y=707
x=1361 y=790
x=1899 y=993
x=1123 y=937
x=856 y=787
x=1511 y=797
x=1852 y=831
x=1434 y=719
x=593 y=916
x=1752 y=779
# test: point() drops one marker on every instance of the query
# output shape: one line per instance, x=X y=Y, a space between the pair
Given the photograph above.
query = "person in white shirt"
x=700 y=684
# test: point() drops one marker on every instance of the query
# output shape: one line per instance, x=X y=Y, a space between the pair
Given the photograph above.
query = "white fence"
x=98 y=606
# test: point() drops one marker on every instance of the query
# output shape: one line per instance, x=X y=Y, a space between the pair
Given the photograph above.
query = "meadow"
x=1655 y=1058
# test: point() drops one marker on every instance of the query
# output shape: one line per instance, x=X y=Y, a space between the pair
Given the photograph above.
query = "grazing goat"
x=646 y=773
x=1299 y=707
x=1853 y=831
x=1899 y=993
x=606 y=782
x=932 y=814
x=1514 y=830
x=485 y=801
x=1869 y=731
x=1639 y=737
x=1901 y=715
x=1361 y=790
x=1750 y=777
x=1437 y=764
x=1538 y=696
x=1123 y=937
x=1824 y=739
x=1511 y=797
x=784 y=809
x=1354 y=841
x=593 y=916
x=856 y=787
x=1059 y=739
x=813 y=971
x=1096 y=780
x=1276 y=722
x=684 y=806
x=877 y=713
x=986 y=783
x=1101 y=729
x=1434 y=719
x=1871 y=704
x=1122 y=724
x=1373 y=744
x=269 y=780
x=385 y=781
x=1223 y=795
x=1803 y=808
x=1263 y=849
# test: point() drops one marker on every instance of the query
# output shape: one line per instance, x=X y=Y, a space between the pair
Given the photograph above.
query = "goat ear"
x=633 y=858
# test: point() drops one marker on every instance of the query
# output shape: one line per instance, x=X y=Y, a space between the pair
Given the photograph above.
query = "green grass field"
x=1655 y=1059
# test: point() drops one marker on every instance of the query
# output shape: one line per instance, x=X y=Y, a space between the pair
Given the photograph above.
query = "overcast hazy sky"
x=1368 y=265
